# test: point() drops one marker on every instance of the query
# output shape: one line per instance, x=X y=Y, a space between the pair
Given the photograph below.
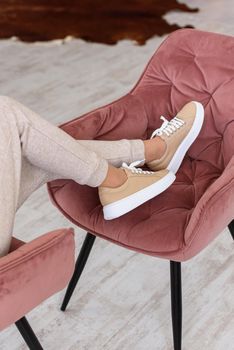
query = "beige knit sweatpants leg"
x=33 y=151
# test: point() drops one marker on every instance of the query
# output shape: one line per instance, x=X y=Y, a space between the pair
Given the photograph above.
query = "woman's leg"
x=34 y=151
x=10 y=168
x=27 y=138
x=50 y=153
x=115 y=152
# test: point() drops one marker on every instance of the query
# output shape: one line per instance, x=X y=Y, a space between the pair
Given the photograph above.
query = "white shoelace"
x=168 y=127
x=136 y=170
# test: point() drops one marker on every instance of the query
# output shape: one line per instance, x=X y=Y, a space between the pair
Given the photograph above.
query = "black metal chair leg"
x=231 y=228
x=80 y=264
x=176 y=303
x=28 y=334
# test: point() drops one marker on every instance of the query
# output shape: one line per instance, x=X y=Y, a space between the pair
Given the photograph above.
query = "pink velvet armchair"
x=179 y=223
x=29 y=275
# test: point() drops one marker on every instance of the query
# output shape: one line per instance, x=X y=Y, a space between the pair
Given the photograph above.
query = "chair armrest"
x=33 y=272
x=213 y=212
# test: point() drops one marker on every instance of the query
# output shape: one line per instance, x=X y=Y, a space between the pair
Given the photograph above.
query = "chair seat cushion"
x=156 y=227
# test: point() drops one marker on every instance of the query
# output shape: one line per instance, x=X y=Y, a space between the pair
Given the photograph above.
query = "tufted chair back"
x=194 y=65
x=189 y=64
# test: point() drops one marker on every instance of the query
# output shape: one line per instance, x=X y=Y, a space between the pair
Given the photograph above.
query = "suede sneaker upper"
x=178 y=133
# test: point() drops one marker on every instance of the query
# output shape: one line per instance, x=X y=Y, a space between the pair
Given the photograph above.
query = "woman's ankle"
x=115 y=177
x=154 y=148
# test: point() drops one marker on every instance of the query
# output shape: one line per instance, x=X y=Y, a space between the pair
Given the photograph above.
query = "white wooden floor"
x=123 y=298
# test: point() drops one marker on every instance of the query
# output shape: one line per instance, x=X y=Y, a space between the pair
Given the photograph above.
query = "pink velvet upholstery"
x=189 y=65
x=34 y=271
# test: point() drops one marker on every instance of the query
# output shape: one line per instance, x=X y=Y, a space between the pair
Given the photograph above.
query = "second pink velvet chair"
x=29 y=275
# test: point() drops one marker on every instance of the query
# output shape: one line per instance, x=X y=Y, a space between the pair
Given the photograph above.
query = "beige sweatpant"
x=33 y=151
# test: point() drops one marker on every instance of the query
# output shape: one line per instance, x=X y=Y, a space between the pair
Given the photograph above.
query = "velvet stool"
x=189 y=65
x=29 y=275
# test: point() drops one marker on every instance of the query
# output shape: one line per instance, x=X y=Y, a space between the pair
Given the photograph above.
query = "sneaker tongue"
x=127 y=171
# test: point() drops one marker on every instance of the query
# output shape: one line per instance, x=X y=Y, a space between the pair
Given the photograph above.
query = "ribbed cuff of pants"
x=98 y=174
x=138 y=149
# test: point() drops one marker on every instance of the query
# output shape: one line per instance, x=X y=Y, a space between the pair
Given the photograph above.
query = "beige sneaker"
x=140 y=186
x=179 y=133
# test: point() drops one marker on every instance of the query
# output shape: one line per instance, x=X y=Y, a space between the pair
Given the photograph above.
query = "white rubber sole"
x=188 y=140
x=123 y=206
